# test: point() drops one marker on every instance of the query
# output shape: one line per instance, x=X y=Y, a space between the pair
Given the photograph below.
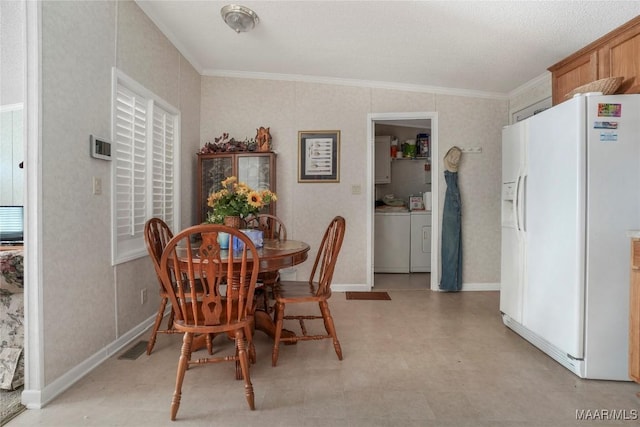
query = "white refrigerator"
x=571 y=192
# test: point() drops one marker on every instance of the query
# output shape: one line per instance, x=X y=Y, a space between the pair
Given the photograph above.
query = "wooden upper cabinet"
x=615 y=54
x=621 y=57
x=573 y=74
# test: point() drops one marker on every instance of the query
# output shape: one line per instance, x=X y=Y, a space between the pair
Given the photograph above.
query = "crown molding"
x=543 y=78
x=354 y=82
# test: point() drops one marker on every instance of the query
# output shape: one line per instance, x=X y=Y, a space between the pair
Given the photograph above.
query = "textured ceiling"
x=491 y=47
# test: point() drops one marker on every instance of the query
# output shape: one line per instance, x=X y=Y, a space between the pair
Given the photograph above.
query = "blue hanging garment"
x=451 y=280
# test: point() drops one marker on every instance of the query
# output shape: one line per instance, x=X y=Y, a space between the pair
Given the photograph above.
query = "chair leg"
x=209 y=340
x=244 y=365
x=156 y=326
x=330 y=327
x=279 y=319
x=185 y=356
x=170 y=322
x=251 y=347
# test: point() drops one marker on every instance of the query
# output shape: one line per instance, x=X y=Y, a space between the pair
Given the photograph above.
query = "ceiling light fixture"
x=239 y=18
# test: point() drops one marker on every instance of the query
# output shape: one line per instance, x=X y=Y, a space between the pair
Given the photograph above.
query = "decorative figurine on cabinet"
x=263 y=139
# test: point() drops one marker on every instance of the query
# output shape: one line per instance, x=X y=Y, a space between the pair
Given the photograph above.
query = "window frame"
x=166 y=137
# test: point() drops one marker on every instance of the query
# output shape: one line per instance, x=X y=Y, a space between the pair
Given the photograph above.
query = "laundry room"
x=402 y=236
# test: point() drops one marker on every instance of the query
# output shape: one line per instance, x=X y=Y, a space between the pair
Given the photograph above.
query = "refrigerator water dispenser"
x=508 y=208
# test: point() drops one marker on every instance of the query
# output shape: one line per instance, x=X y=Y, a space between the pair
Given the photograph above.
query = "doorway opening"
x=396 y=185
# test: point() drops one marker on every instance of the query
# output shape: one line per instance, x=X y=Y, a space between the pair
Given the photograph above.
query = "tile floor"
x=422 y=359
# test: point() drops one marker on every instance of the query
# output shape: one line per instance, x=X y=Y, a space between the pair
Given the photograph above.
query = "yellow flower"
x=268 y=195
x=254 y=199
x=236 y=199
x=231 y=180
x=213 y=198
x=242 y=188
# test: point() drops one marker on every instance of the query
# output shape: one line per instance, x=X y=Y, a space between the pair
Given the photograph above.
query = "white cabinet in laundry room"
x=383 y=160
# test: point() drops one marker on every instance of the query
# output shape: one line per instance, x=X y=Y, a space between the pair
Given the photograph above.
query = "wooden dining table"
x=274 y=255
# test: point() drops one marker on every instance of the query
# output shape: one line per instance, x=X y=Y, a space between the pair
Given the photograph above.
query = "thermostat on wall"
x=100 y=148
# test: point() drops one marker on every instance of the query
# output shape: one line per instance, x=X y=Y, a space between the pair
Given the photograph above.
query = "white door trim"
x=435 y=189
x=34 y=340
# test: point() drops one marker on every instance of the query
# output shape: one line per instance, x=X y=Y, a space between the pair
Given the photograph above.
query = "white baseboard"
x=363 y=287
x=36 y=399
x=481 y=286
x=344 y=287
x=486 y=286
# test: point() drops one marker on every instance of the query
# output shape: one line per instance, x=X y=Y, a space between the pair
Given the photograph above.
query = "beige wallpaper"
x=475 y=122
x=189 y=106
x=239 y=106
x=84 y=296
x=77 y=56
x=307 y=208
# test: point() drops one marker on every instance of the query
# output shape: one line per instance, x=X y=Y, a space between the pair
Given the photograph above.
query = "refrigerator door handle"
x=515 y=203
x=520 y=201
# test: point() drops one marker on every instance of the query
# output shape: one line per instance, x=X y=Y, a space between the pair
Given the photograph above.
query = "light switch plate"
x=97 y=186
x=100 y=148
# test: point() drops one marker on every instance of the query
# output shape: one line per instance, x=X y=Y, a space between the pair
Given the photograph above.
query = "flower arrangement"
x=236 y=199
x=225 y=143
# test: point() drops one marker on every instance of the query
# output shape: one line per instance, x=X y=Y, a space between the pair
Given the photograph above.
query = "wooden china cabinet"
x=256 y=169
x=612 y=55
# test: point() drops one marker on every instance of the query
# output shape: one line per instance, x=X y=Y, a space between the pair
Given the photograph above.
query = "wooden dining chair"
x=270 y=225
x=316 y=289
x=272 y=228
x=156 y=235
x=228 y=279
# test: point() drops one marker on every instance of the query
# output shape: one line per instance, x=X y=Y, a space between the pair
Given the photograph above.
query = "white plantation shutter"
x=145 y=139
x=130 y=155
x=162 y=161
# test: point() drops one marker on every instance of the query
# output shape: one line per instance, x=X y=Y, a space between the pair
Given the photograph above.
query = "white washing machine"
x=392 y=242
x=420 y=242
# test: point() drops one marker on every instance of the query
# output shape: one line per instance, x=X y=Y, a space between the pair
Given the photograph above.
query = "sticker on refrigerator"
x=605 y=125
x=609 y=110
x=608 y=137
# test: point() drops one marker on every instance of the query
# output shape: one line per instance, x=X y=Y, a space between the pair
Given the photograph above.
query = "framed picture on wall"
x=319 y=156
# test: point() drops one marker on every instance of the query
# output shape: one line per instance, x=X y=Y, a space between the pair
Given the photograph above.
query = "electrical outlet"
x=143 y=296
